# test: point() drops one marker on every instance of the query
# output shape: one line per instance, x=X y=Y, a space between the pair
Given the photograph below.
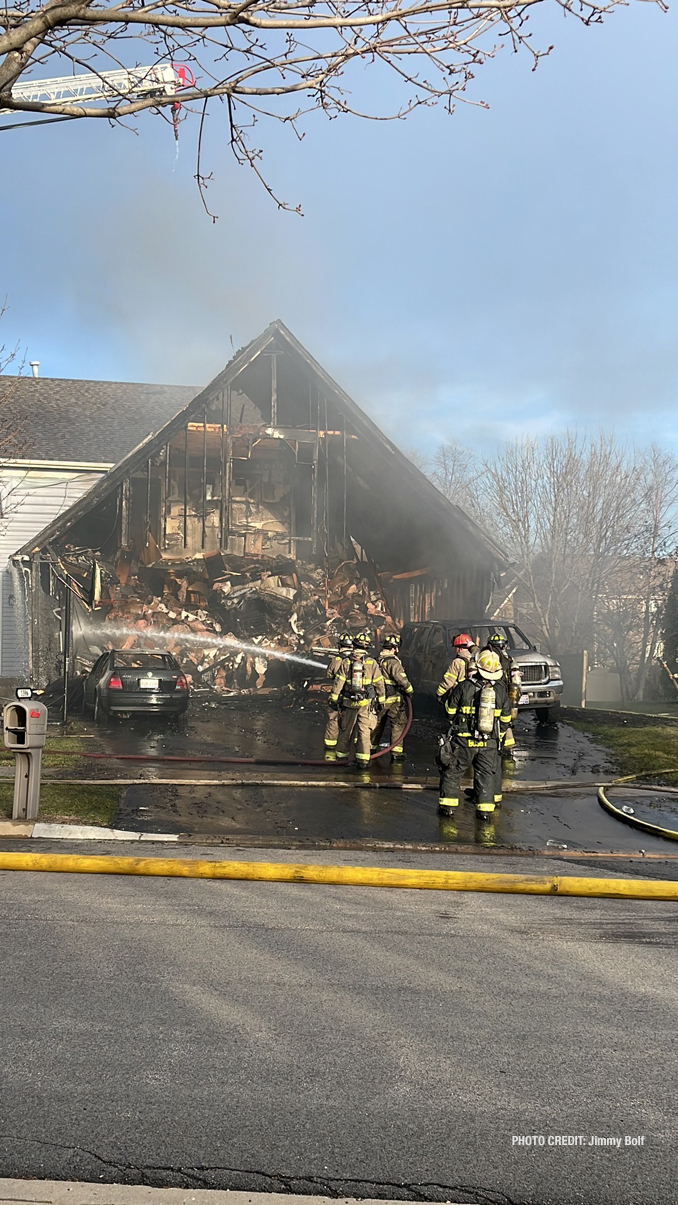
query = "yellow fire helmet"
x=489 y=666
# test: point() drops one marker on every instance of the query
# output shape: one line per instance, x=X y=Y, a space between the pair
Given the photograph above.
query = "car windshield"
x=132 y=660
x=515 y=638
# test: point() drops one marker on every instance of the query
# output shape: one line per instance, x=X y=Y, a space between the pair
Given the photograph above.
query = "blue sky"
x=483 y=275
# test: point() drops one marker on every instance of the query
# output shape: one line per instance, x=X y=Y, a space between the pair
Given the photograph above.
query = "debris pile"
x=222 y=615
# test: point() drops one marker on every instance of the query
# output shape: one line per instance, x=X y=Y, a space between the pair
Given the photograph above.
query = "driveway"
x=268 y=804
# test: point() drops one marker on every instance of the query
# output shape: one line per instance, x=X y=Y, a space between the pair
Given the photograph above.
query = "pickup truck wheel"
x=548 y=715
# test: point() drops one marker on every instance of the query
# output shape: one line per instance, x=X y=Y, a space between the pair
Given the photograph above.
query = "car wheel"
x=548 y=715
x=99 y=715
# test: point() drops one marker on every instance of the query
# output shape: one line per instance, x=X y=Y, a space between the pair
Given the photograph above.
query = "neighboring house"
x=65 y=435
x=271 y=460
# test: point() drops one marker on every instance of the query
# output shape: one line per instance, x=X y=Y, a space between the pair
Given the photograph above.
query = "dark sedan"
x=126 y=681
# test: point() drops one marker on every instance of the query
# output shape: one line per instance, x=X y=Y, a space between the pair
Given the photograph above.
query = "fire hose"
x=237 y=761
x=627 y=816
x=348 y=876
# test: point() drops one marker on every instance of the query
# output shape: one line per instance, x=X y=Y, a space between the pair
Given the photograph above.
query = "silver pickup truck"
x=427 y=651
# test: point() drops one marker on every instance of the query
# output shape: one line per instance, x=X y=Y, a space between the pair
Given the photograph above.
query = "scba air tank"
x=357 y=672
x=486 y=707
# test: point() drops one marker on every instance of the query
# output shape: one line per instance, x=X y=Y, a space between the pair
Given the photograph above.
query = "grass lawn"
x=638 y=750
x=51 y=754
x=70 y=803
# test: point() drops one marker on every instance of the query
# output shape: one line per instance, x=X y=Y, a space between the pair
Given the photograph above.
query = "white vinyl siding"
x=30 y=500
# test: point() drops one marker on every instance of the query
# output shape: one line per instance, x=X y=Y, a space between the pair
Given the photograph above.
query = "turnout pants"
x=485 y=758
x=332 y=729
x=357 y=725
x=395 y=715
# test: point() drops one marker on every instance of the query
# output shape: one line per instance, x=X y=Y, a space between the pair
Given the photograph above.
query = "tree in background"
x=262 y=58
x=631 y=611
x=670 y=637
x=590 y=528
x=456 y=471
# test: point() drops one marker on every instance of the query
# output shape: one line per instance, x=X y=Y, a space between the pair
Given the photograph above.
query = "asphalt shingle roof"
x=50 y=418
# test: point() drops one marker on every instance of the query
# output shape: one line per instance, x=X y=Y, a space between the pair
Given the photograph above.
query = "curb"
x=51 y=1192
x=77 y=832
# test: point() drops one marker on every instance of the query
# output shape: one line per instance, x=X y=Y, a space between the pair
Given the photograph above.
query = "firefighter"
x=359 y=690
x=334 y=714
x=512 y=679
x=465 y=654
x=480 y=714
x=397 y=685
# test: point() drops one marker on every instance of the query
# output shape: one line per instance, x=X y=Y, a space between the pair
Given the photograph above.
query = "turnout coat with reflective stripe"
x=334 y=666
x=373 y=684
x=461 y=706
x=396 y=681
x=455 y=673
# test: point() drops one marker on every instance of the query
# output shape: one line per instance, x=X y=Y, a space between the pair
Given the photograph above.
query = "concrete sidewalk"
x=61 y=1192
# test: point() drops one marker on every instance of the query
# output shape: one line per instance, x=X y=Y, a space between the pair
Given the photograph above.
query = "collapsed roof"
x=384 y=502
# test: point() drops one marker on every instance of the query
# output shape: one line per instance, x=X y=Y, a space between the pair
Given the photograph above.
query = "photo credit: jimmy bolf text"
x=617 y=1142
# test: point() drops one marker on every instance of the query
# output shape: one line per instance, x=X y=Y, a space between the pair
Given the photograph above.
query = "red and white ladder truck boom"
x=127 y=83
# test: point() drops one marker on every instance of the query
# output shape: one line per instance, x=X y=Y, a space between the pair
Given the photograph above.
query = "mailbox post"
x=25 y=732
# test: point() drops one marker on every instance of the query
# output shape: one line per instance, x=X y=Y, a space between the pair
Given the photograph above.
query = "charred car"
x=428 y=650
x=129 y=681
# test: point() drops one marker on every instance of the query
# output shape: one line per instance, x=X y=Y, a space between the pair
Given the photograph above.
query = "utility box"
x=25 y=732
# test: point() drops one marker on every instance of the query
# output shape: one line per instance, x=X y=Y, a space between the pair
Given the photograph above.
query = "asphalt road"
x=337 y=1040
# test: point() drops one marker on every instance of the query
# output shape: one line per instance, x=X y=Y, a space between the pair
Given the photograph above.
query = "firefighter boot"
x=486 y=833
x=447 y=805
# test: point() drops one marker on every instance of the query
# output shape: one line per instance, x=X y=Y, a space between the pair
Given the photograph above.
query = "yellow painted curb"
x=646 y=826
x=350 y=876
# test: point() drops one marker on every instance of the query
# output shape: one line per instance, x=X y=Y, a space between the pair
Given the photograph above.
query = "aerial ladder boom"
x=127 y=83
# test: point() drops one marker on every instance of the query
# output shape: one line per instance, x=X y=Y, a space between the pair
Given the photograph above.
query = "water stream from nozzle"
x=203 y=640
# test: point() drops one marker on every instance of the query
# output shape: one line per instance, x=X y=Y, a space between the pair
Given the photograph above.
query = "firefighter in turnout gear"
x=334 y=714
x=513 y=682
x=480 y=714
x=396 y=686
x=359 y=691
x=461 y=667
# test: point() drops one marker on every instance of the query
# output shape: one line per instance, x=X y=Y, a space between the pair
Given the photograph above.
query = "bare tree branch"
x=248 y=51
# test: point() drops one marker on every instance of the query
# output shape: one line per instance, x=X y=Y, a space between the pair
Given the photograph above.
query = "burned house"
x=58 y=438
x=268 y=510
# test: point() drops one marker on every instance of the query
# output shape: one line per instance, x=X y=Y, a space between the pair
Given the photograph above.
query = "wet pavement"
x=239 y=802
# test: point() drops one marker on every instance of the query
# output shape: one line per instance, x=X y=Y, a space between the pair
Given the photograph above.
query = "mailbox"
x=25 y=733
x=25 y=724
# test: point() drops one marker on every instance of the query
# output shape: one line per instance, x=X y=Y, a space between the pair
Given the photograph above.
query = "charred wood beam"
x=203 y=526
x=222 y=472
x=326 y=497
x=125 y=492
x=167 y=494
x=229 y=467
x=185 y=487
x=147 y=516
x=274 y=390
x=344 y=468
x=314 y=479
